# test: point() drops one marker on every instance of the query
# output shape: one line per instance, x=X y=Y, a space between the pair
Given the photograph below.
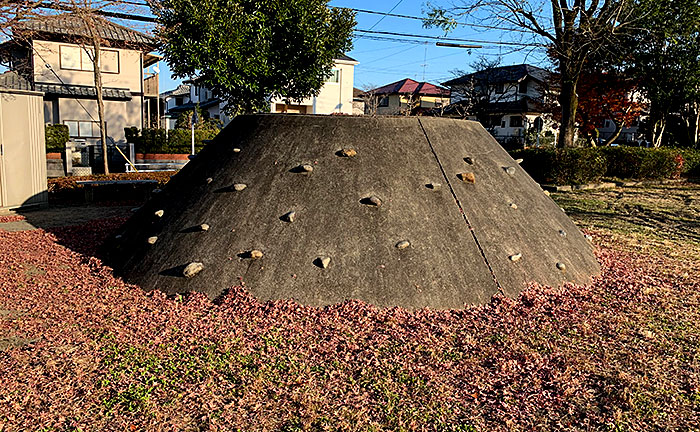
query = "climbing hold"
x=239 y=187
x=289 y=217
x=160 y=213
x=547 y=193
x=372 y=200
x=156 y=191
x=255 y=254
x=469 y=160
x=434 y=186
x=588 y=237
x=518 y=161
x=152 y=240
x=515 y=257
x=467 y=177
x=236 y=150
x=510 y=170
x=403 y=244
x=323 y=261
x=192 y=269
x=562 y=233
x=514 y=206
x=307 y=168
x=348 y=152
x=561 y=266
x=209 y=180
x=204 y=227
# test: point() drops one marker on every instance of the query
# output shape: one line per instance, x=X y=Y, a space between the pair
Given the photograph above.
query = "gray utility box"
x=22 y=149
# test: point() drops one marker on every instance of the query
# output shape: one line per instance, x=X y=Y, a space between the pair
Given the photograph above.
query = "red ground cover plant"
x=69 y=183
x=11 y=218
x=82 y=350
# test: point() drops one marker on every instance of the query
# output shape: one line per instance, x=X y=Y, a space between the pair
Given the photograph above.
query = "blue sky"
x=383 y=62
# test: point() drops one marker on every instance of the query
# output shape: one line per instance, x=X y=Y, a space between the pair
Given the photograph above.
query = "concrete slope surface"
x=393 y=211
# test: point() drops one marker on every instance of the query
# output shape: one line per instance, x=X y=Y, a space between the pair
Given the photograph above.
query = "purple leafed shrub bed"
x=82 y=350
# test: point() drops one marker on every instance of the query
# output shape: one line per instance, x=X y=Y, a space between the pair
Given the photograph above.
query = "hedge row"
x=175 y=141
x=586 y=165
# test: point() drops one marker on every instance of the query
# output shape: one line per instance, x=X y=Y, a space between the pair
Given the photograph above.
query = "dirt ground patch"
x=58 y=216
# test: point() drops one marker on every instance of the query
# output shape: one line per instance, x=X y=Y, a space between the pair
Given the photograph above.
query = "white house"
x=336 y=95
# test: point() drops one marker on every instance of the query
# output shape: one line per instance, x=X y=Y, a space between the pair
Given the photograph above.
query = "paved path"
x=62 y=216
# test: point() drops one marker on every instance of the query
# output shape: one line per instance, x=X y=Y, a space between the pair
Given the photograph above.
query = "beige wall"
x=334 y=97
x=398 y=105
x=129 y=76
x=118 y=115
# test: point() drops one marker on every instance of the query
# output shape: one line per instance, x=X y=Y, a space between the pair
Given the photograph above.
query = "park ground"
x=82 y=350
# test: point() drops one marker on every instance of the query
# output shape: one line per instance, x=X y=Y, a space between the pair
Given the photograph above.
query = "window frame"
x=515 y=119
x=335 y=73
x=77 y=122
x=83 y=52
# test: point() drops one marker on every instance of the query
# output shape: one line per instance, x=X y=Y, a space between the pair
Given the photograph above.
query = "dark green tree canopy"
x=247 y=51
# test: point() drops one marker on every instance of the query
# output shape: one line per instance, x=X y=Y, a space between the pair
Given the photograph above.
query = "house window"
x=495 y=121
x=83 y=129
x=516 y=121
x=334 y=77
x=179 y=101
x=522 y=87
x=78 y=58
x=500 y=88
x=384 y=101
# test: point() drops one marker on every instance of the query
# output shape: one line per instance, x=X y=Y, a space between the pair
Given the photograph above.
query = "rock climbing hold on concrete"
x=515 y=257
x=347 y=152
x=152 y=240
x=469 y=160
x=307 y=168
x=289 y=217
x=547 y=193
x=561 y=266
x=372 y=201
x=433 y=186
x=255 y=254
x=510 y=170
x=403 y=244
x=514 y=206
x=467 y=177
x=209 y=180
x=159 y=213
x=588 y=237
x=239 y=187
x=518 y=161
x=192 y=269
x=562 y=233
x=204 y=227
x=322 y=261
x=236 y=150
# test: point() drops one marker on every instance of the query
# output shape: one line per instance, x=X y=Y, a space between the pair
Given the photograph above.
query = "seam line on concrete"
x=461 y=209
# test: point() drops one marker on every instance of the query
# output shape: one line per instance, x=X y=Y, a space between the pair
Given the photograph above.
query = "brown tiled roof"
x=72 y=25
x=409 y=86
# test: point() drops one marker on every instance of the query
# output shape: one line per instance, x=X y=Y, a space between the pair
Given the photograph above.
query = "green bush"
x=642 y=163
x=563 y=166
x=56 y=138
x=587 y=165
x=175 y=141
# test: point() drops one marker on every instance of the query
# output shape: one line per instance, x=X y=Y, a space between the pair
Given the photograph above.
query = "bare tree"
x=370 y=99
x=572 y=31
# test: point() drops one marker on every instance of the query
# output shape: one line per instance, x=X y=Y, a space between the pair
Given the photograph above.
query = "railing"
x=150 y=86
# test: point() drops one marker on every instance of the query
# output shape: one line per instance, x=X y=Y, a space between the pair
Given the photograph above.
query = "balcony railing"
x=150 y=86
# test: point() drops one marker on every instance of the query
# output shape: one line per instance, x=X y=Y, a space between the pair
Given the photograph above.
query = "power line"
x=520 y=44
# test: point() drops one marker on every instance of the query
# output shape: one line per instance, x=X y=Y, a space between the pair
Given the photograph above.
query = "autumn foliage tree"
x=606 y=96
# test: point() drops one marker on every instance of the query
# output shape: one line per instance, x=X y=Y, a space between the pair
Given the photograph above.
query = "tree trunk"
x=569 y=103
x=615 y=135
x=100 y=102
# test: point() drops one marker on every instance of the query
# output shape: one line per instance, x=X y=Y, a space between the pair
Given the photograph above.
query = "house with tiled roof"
x=507 y=100
x=52 y=56
x=407 y=97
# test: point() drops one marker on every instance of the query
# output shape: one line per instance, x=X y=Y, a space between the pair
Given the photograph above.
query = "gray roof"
x=503 y=74
x=82 y=91
x=13 y=80
x=345 y=58
x=72 y=25
x=181 y=90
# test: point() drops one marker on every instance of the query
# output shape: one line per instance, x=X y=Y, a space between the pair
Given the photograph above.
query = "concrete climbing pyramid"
x=412 y=212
